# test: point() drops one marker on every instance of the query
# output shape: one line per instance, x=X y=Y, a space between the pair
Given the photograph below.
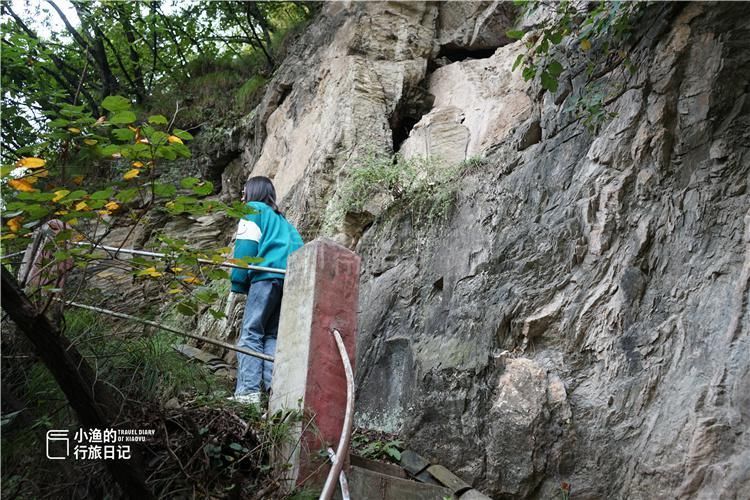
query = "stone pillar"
x=320 y=293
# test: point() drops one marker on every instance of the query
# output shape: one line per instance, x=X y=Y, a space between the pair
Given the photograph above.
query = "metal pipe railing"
x=346 y=432
x=146 y=253
x=207 y=340
x=8 y=256
x=343 y=483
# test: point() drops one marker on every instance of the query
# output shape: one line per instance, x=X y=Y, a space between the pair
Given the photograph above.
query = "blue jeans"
x=260 y=325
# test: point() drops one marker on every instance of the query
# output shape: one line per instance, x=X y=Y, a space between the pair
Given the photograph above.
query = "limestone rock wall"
x=582 y=313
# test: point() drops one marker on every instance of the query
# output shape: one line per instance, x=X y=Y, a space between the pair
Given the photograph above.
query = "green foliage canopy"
x=134 y=49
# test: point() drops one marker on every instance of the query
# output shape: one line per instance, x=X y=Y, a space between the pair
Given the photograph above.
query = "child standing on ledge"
x=268 y=235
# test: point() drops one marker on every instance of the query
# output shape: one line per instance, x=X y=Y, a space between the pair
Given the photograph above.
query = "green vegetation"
x=162 y=373
x=249 y=90
x=143 y=367
x=380 y=449
x=93 y=115
x=564 y=490
x=600 y=31
x=376 y=445
x=69 y=186
x=426 y=188
x=207 y=443
x=152 y=53
x=590 y=106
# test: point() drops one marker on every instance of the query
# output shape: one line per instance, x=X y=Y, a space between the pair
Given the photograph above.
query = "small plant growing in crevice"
x=472 y=163
x=424 y=187
x=565 y=490
x=589 y=106
x=376 y=445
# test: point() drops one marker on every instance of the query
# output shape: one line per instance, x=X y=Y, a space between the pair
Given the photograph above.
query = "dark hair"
x=261 y=189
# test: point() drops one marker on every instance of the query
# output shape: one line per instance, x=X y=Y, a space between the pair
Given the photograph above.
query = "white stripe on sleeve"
x=248 y=230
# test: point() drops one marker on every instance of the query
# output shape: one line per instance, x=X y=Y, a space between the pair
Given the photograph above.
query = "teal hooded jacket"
x=267 y=235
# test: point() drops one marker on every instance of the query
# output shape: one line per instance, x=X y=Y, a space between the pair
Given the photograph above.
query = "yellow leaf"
x=77 y=180
x=61 y=212
x=192 y=280
x=172 y=291
x=90 y=142
x=103 y=212
x=21 y=185
x=31 y=162
x=151 y=271
x=137 y=164
x=133 y=129
x=31 y=179
x=72 y=222
x=7 y=236
x=112 y=206
x=585 y=44
x=176 y=269
x=80 y=206
x=15 y=224
x=131 y=174
x=59 y=195
x=74 y=130
x=174 y=138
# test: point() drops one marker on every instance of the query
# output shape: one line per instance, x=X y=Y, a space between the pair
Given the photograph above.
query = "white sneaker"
x=249 y=399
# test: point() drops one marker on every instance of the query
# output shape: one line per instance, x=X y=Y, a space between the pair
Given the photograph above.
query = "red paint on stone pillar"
x=333 y=304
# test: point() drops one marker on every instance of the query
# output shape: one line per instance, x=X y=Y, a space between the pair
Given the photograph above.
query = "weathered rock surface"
x=338 y=102
x=613 y=265
x=477 y=102
x=466 y=28
x=582 y=314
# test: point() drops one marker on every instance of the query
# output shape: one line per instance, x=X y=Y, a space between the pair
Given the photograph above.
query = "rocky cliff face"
x=581 y=314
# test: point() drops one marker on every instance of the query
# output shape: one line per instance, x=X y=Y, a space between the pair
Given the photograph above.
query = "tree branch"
x=64 y=79
x=134 y=57
x=90 y=398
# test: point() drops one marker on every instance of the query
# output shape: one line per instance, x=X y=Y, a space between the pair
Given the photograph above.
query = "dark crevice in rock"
x=355 y=224
x=285 y=91
x=218 y=164
x=454 y=53
x=413 y=105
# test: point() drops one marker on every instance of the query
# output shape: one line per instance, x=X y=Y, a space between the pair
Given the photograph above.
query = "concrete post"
x=320 y=293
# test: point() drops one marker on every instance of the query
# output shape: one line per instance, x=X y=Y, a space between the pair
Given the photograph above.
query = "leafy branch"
x=36 y=191
x=599 y=32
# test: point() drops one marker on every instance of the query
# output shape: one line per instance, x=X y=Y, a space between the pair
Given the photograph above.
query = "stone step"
x=366 y=484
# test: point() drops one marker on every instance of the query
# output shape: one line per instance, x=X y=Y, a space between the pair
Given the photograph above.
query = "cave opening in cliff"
x=413 y=105
x=455 y=54
x=401 y=130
